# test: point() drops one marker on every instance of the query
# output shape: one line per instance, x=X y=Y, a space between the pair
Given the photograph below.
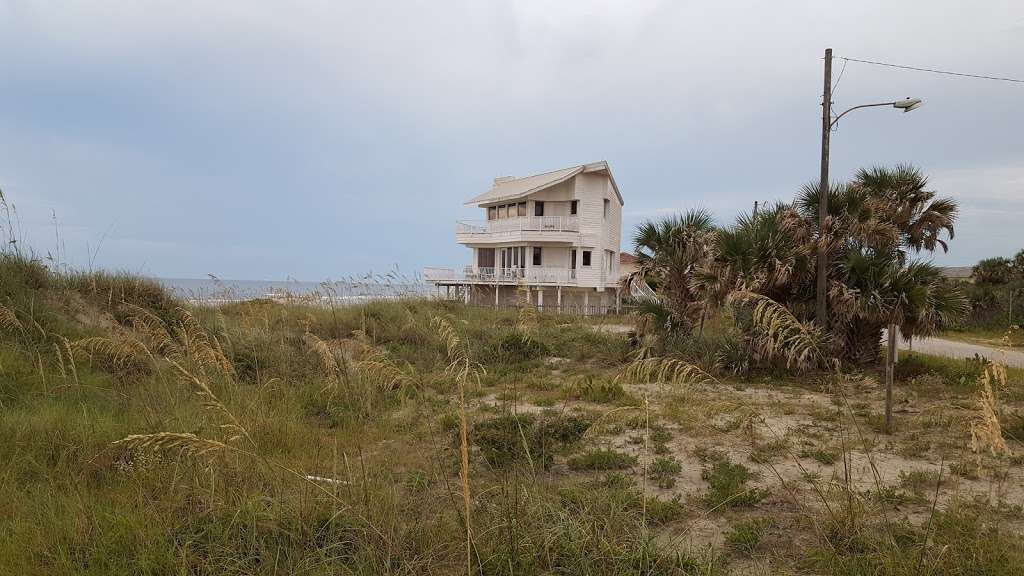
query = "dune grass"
x=145 y=436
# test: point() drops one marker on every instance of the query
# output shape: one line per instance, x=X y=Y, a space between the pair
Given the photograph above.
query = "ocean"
x=377 y=287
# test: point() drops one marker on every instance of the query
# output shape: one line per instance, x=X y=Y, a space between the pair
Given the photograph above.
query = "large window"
x=574 y=207
x=607 y=203
x=586 y=257
x=492 y=212
x=536 y=256
x=572 y=259
x=522 y=208
x=538 y=208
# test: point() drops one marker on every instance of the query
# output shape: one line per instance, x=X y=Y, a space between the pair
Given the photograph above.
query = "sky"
x=320 y=139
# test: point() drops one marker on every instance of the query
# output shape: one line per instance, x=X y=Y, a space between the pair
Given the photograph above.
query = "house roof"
x=511 y=188
x=625 y=258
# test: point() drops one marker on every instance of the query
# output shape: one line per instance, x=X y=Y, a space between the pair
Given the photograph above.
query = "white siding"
x=598 y=232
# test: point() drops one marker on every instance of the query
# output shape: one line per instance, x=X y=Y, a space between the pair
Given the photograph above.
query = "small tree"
x=995 y=271
x=669 y=252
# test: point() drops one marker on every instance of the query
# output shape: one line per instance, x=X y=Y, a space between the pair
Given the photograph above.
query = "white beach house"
x=552 y=237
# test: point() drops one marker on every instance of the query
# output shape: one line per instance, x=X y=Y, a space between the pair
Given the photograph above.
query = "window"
x=586 y=257
x=574 y=207
x=522 y=208
x=536 y=256
x=485 y=258
x=538 y=208
x=606 y=204
x=492 y=212
x=572 y=260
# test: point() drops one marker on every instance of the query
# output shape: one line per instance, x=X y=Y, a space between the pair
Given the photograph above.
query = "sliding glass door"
x=513 y=260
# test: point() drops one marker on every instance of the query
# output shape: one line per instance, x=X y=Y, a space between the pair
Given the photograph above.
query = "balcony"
x=479 y=275
x=525 y=228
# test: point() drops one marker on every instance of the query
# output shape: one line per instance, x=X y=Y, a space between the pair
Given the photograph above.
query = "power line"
x=933 y=71
x=840 y=78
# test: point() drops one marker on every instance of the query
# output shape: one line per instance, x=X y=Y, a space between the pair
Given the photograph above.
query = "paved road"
x=955 y=349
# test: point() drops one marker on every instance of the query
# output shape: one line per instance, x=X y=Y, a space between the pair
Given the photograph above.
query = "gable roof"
x=510 y=188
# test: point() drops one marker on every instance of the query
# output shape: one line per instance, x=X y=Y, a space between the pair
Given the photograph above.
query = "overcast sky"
x=316 y=139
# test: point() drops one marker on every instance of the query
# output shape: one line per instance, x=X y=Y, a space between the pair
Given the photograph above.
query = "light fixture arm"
x=859 y=107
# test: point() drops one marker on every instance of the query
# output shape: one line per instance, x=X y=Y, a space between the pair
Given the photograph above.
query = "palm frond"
x=780 y=333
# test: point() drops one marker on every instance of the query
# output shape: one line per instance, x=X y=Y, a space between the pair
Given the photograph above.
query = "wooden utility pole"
x=821 y=307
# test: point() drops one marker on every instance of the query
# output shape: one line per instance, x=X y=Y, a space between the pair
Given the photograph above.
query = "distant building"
x=627 y=264
x=552 y=237
x=958 y=273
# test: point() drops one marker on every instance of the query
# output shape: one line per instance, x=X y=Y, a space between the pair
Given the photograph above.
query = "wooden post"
x=497 y=294
x=821 y=303
x=890 y=371
x=618 y=300
x=558 y=298
x=586 y=302
x=540 y=298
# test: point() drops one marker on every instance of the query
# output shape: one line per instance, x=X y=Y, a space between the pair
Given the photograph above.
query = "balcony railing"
x=521 y=224
x=535 y=275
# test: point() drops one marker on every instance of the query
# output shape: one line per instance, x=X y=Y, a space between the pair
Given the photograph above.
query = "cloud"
x=300 y=131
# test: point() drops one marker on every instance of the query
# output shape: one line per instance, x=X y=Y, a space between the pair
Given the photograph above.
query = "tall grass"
x=146 y=436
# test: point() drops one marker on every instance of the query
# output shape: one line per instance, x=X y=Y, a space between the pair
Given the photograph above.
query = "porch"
x=552 y=299
x=491 y=275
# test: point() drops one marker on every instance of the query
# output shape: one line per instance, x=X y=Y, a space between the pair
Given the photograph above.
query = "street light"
x=907 y=104
x=827 y=122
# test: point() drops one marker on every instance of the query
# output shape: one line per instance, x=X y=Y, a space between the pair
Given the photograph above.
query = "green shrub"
x=663 y=472
x=727 y=485
x=516 y=347
x=960 y=374
x=602 y=459
x=661 y=512
x=919 y=482
x=604 y=392
x=825 y=456
x=505 y=440
x=747 y=535
x=960 y=541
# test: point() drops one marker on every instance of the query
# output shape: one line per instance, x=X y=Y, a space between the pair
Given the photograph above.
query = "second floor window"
x=521 y=209
x=536 y=256
x=538 y=208
x=606 y=204
x=586 y=257
x=574 y=207
x=492 y=212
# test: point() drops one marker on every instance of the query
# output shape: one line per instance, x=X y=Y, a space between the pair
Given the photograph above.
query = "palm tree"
x=900 y=198
x=993 y=271
x=768 y=253
x=880 y=290
x=669 y=252
x=1018 y=265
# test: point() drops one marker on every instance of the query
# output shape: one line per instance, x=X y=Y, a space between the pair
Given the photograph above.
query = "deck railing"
x=533 y=275
x=521 y=224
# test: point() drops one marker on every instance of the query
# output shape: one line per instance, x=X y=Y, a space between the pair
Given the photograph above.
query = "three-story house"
x=552 y=238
